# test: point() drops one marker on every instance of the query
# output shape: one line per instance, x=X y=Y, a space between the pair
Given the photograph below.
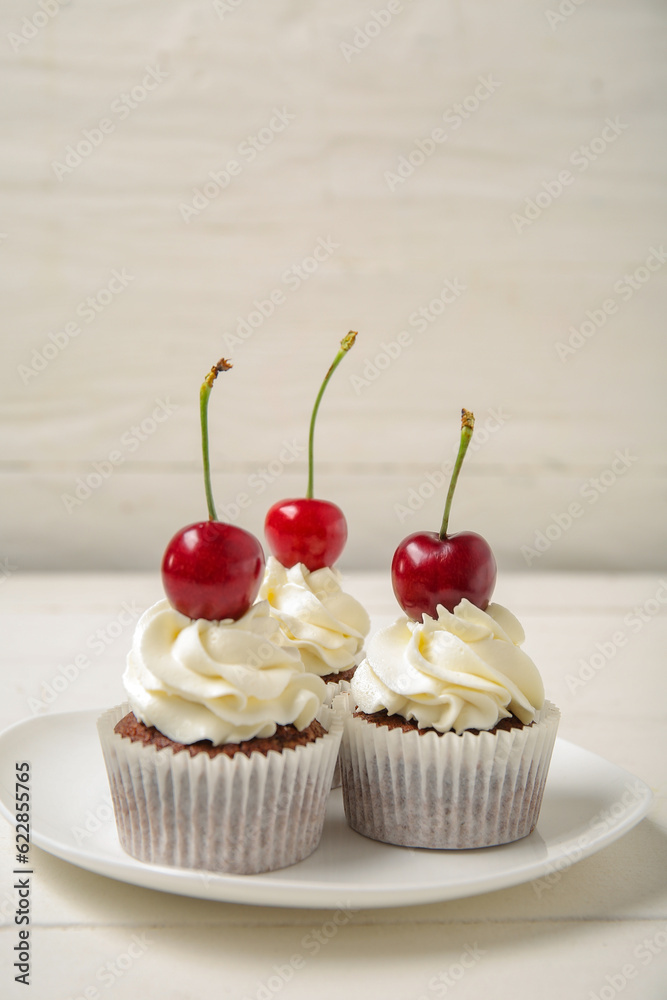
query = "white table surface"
x=598 y=931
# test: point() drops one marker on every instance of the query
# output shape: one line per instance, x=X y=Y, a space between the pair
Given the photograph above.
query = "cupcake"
x=450 y=739
x=222 y=759
x=317 y=618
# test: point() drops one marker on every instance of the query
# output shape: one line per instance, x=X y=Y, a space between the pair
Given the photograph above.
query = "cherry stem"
x=467 y=425
x=346 y=343
x=204 y=393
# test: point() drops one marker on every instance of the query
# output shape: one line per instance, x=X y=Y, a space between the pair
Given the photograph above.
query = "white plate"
x=588 y=803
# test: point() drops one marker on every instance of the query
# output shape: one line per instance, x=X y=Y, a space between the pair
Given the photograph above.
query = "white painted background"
x=323 y=178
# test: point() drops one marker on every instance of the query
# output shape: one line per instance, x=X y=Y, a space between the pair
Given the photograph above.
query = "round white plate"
x=588 y=803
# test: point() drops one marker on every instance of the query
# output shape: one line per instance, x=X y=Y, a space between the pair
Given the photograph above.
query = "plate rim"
x=264 y=891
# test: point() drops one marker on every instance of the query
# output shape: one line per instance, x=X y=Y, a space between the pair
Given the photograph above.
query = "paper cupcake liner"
x=445 y=791
x=239 y=814
x=335 y=688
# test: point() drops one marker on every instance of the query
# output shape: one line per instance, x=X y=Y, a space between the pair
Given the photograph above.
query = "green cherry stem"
x=467 y=425
x=346 y=343
x=204 y=393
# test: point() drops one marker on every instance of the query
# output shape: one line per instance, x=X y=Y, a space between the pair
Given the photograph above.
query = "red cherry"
x=305 y=530
x=312 y=532
x=430 y=568
x=427 y=570
x=212 y=570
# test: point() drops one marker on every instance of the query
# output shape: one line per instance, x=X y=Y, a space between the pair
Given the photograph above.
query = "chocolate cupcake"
x=223 y=757
x=318 y=618
x=450 y=741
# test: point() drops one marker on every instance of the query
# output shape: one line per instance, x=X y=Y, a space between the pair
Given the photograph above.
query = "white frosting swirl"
x=224 y=681
x=462 y=671
x=326 y=625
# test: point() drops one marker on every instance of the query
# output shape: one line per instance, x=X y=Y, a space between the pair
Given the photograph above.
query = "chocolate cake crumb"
x=284 y=738
x=383 y=718
x=342 y=675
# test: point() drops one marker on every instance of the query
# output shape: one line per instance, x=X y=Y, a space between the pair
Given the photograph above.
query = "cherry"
x=427 y=570
x=306 y=530
x=430 y=568
x=312 y=532
x=211 y=569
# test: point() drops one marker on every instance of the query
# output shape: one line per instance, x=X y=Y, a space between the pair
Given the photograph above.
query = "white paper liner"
x=334 y=688
x=237 y=814
x=445 y=791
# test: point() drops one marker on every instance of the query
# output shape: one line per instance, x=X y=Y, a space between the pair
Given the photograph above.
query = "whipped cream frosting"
x=326 y=625
x=223 y=681
x=464 y=670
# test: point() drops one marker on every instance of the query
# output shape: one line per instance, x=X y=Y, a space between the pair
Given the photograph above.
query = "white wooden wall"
x=557 y=103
